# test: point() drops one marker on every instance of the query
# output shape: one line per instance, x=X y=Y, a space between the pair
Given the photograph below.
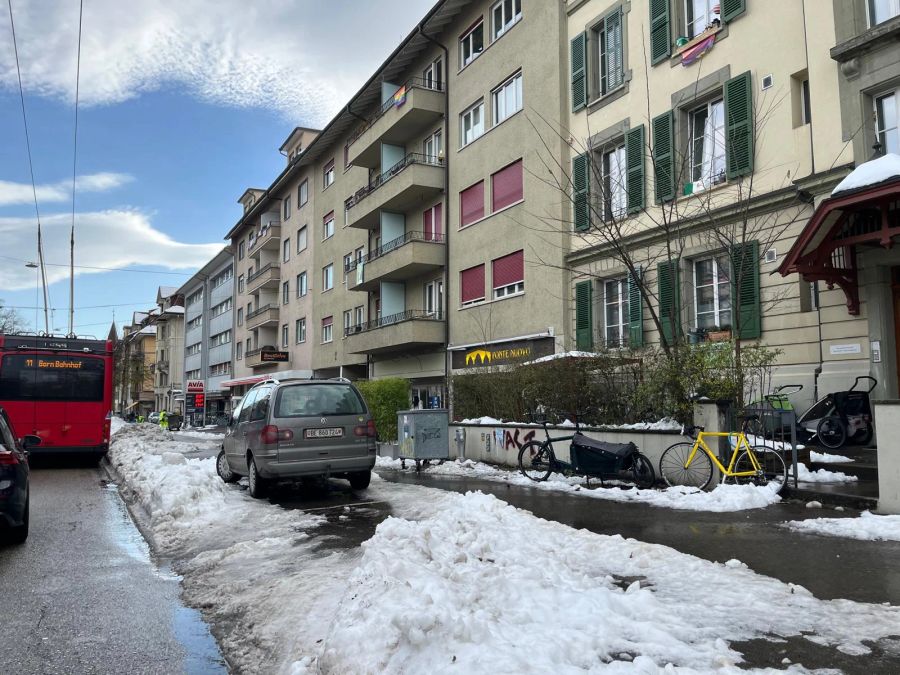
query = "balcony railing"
x=391 y=319
x=411 y=159
x=395 y=99
x=261 y=310
x=393 y=245
x=262 y=270
x=263 y=232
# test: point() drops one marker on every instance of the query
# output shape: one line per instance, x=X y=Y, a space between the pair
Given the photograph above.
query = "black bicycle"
x=590 y=458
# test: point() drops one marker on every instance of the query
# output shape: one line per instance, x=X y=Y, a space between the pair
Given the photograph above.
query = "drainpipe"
x=446 y=209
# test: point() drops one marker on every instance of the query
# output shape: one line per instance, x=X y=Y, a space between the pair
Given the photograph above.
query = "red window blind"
x=471 y=283
x=506 y=186
x=471 y=204
x=327 y=321
x=432 y=222
x=510 y=269
x=328 y=216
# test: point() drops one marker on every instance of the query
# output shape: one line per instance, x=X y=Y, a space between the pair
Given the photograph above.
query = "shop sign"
x=502 y=354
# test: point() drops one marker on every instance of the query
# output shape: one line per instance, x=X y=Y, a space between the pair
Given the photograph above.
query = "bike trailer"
x=590 y=456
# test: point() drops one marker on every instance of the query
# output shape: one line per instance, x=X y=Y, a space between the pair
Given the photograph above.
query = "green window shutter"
x=614 y=62
x=664 y=156
x=660 y=33
x=669 y=292
x=731 y=9
x=634 y=162
x=745 y=290
x=581 y=188
x=584 y=316
x=635 y=311
x=739 y=126
x=579 y=72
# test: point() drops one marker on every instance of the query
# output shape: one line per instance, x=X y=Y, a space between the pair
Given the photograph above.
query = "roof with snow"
x=867 y=174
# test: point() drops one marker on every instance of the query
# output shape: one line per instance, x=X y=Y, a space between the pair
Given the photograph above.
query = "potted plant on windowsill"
x=719 y=334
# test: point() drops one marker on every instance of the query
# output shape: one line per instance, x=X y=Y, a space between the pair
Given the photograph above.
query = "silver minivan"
x=292 y=429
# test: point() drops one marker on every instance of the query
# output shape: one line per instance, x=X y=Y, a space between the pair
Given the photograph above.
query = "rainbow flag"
x=688 y=56
x=400 y=97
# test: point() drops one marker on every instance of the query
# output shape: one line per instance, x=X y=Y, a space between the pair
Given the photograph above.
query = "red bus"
x=59 y=389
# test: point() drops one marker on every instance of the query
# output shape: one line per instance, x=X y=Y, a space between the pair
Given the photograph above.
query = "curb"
x=859 y=502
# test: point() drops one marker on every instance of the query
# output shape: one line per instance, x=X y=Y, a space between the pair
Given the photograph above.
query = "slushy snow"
x=868 y=526
x=870 y=173
x=825 y=458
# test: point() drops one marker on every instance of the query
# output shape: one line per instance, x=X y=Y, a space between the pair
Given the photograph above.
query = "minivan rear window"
x=315 y=400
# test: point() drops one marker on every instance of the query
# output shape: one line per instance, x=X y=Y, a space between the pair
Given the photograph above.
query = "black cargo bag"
x=596 y=457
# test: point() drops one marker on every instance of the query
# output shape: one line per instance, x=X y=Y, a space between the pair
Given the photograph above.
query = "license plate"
x=333 y=432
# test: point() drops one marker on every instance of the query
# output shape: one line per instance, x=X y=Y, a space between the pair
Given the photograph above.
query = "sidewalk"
x=860 y=494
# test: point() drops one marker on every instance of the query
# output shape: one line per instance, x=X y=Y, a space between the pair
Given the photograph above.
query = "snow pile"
x=824 y=458
x=870 y=173
x=665 y=424
x=482 y=587
x=563 y=355
x=116 y=424
x=201 y=435
x=724 y=498
x=487 y=421
x=868 y=526
x=805 y=475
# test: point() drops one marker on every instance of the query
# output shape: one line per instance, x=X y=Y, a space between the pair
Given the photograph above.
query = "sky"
x=182 y=106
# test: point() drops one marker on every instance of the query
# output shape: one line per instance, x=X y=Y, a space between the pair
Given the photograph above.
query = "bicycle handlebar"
x=689 y=430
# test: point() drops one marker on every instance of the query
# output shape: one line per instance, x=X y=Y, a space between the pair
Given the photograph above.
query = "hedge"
x=385 y=397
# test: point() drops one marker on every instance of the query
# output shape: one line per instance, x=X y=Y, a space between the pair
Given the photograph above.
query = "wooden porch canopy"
x=826 y=250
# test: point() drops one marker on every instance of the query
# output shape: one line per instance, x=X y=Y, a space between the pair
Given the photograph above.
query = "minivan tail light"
x=367 y=429
x=272 y=434
x=8 y=458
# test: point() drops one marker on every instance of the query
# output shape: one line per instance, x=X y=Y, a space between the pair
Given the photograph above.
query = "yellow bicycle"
x=692 y=464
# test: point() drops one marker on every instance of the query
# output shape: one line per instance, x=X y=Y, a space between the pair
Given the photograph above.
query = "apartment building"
x=168 y=368
x=703 y=136
x=135 y=357
x=208 y=345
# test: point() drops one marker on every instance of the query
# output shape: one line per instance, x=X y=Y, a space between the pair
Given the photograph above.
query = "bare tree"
x=10 y=320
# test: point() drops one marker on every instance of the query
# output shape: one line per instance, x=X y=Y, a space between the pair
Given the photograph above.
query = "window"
x=359 y=315
x=302 y=194
x=807 y=108
x=302 y=288
x=286 y=250
x=249 y=309
x=882 y=10
x=614 y=175
x=241 y=250
x=886 y=122
x=433 y=149
x=241 y=284
x=471 y=285
x=360 y=252
x=328 y=277
x=507 y=99
x=471 y=44
x=326 y=329
x=195 y=297
x=508 y=274
x=432 y=223
x=223 y=277
x=328 y=226
x=346 y=156
x=249 y=345
x=220 y=369
x=318 y=400
x=286 y=208
x=193 y=349
x=471 y=204
x=434 y=298
x=615 y=300
x=328 y=174
x=607 y=35
x=712 y=292
x=504 y=15
x=506 y=186
x=433 y=76
x=240 y=316
x=220 y=339
x=471 y=124
x=22 y=380
x=300 y=330
x=699 y=15
x=348 y=321
x=707 y=145
x=301 y=239
x=348 y=260
x=285 y=292
x=284 y=335
x=221 y=308
x=195 y=322
x=192 y=374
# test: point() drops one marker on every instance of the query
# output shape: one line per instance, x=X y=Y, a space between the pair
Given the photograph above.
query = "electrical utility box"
x=424 y=434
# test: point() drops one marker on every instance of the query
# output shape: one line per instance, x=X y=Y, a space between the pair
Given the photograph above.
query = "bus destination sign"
x=54 y=364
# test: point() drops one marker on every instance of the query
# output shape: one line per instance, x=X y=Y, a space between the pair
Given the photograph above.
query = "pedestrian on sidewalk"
x=164 y=420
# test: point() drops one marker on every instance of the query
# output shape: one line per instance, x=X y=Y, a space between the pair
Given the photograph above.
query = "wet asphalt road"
x=82 y=594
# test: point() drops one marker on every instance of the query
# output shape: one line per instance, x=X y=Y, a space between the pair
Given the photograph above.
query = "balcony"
x=412 y=329
x=414 y=180
x=266 y=315
x=258 y=358
x=268 y=237
x=267 y=276
x=407 y=257
x=417 y=106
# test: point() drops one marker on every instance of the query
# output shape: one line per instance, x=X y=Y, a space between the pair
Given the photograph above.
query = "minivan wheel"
x=360 y=480
x=259 y=486
x=224 y=471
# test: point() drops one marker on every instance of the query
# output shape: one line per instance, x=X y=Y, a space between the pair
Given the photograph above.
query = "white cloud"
x=21 y=193
x=115 y=238
x=303 y=58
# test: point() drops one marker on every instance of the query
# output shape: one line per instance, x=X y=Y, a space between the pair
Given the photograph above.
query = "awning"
x=827 y=248
x=228 y=384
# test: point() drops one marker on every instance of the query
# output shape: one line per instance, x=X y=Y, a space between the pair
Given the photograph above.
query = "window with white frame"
x=700 y=15
x=610 y=64
x=192 y=374
x=284 y=335
x=707 y=145
x=220 y=339
x=285 y=292
x=507 y=98
x=882 y=10
x=240 y=316
x=471 y=123
x=241 y=249
x=614 y=175
x=219 y=369
x=508 y=274
x=434 y=74
x=193 y=349
x=348 y=321
x=249 y=345
x=286 y=249
x=328 y=277
x=432 y=148
x=471 y=44
x=504 y=16
x=328 y=174
x=239 y=351
x=286 y=208
x=359 y=315
x=194 y=298
x=327 y=327
x=223 y=277
x=302 y=194
x=360 y=252
x=615 y=312
x=221 y=308
x=328 y=226
x=301 y=239
x=712 y=292
x=433 y=297
x=302 y=288
x=348 y=260
x=241 y=284
x=196 y=322
x=300 y=330
x=886 y=121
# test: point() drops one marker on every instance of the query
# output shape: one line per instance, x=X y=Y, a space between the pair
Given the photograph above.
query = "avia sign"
x=195 y=386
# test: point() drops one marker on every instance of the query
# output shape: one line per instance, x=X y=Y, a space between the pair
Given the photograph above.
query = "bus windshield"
x=38 y=377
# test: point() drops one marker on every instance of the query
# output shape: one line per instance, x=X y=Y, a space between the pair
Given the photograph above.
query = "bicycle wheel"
x=673 y=470
x=536 y=460
x=642 y=472
x=770 y=461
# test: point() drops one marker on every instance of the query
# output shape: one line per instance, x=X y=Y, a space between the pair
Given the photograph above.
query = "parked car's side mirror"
x=30 y=441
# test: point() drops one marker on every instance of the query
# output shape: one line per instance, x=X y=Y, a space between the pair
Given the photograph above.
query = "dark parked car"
x=13 y=482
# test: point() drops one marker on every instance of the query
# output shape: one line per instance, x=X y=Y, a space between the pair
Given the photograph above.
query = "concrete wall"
x=887 y=422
